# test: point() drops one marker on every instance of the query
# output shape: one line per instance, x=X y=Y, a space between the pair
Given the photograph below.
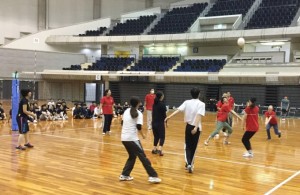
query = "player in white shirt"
x=193 y=110
x=132 y=124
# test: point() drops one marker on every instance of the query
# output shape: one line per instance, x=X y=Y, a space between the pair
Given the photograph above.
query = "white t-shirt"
x=129 y=130
x=97 y=111
x=191 y=109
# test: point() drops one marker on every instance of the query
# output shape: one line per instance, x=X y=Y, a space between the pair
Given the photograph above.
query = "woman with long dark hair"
x=107 y=106
x=132 y=123
x=158 y=123
x=250 y=120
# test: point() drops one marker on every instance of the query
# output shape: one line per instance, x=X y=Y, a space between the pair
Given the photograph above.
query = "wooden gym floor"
x=72 y=157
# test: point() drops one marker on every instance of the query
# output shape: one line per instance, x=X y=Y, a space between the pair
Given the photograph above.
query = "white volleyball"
x=241 y=42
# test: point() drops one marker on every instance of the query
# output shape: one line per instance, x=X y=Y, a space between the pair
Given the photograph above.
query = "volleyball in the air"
x=241 y=42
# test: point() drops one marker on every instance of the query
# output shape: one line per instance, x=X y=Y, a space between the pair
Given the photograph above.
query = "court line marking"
x=282 y=183
x=174 y=153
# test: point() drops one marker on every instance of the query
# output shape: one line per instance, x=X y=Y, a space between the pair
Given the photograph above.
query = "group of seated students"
x=82 y=111
x=58 y=111
x=50 y=111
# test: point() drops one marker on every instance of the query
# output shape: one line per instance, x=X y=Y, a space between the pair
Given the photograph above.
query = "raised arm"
x=233 y=112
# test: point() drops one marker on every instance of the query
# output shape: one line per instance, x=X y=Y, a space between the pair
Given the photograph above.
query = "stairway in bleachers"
x=271 y=96
x=115 y=91
x=212 y=92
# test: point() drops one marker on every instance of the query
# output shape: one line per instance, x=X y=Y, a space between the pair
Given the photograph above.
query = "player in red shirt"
x=107 y=106
x=271 y=121
x=221 y=121
x=149 y=101
x=250 y=121
x=219 y=105
x=231 y=105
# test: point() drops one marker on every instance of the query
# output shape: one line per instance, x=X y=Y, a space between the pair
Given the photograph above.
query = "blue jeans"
x=268 y=127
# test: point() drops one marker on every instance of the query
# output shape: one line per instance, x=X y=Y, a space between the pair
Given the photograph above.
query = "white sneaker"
x=206 y=142
x=190 y=168
x=248 y=155
x=225 y=134
x=125 y=178
x=103 y=133
x=35 y=121
x=154 y=180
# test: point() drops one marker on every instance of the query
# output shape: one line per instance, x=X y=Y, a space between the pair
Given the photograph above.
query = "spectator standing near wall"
x=285 y=105
x=149 y=101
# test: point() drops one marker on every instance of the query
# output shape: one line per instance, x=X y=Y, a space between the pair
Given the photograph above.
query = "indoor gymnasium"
x=149 y=97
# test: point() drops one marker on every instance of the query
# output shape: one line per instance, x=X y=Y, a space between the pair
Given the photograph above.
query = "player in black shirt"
x=159 y=111
x=22 y=119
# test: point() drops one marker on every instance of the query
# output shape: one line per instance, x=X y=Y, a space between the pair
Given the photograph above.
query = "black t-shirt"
x=23 y=101
x=159 y=112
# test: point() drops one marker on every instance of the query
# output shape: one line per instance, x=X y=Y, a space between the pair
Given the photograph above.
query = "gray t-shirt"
x=285 y=103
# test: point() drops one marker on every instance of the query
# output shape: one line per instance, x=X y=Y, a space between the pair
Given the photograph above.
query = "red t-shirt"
x=273 y=120
x=149 y=99
x=107 y=104
x=223 y=113
x=252 y=118
x=92 y=107
x=231 y=102
x=219 y=104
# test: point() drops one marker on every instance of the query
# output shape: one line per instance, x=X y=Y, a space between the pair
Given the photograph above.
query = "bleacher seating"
x=274 y=13
x=98 y=32
x=230 y=7
x=111 y=64
x=178 y=20
x=132 y=26
x=73 y=67
x=201 y=65
x=158 y=64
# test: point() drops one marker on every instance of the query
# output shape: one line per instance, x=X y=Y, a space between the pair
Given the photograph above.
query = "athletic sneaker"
x=190 y=168
x=154 y=180
x=160 y=153
x=154 y=151
x=206 y=142
x=226 y=142
x=125 y=178
x=103 y=133
x=225 y=134
x=248 y=155
x=20 y=148
x=28 y=145
x=279 y=135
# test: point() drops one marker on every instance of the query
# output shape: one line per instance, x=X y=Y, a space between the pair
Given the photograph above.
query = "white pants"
x=149 y=119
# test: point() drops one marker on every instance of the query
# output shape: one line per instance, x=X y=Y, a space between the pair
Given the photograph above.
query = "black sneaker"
x=279 y=135
x=154 y=151
x=28 y=145
x=20 y=148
